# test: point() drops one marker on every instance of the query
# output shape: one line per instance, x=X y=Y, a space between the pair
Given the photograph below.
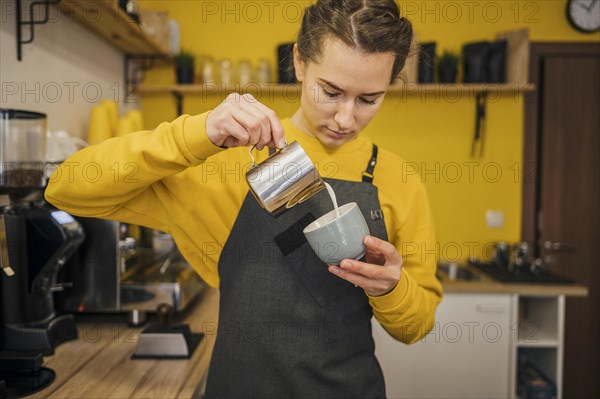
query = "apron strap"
x=367 y=175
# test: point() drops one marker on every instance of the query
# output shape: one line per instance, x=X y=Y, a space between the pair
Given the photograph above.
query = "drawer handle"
x=491 y=308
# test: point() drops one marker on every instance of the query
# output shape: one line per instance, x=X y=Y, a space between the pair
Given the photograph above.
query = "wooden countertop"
x=99 y=364
x=486 y=285
x=492 y=287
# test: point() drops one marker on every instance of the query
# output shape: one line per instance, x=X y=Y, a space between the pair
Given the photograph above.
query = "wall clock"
x=584 y=15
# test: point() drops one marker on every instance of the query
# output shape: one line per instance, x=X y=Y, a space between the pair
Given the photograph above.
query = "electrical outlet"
x=494 y=219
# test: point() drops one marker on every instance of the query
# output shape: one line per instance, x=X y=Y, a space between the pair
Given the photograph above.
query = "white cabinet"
x=476 y=345
x=468 y=354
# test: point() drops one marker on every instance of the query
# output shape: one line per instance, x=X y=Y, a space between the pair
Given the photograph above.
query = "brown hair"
x=371 y=26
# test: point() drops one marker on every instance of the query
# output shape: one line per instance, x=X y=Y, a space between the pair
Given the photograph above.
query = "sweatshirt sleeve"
x=154 y=179
x=407 y=313
x=112 y=179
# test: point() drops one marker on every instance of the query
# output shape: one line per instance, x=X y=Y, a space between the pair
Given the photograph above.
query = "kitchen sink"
x=518 y=276
x=458 y=272
x=489 y=272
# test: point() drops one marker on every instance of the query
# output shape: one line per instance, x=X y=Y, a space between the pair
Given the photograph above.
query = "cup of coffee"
x=335 y=237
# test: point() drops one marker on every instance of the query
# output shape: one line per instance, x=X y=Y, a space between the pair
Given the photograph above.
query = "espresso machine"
x=123 y=268
x=36 y=240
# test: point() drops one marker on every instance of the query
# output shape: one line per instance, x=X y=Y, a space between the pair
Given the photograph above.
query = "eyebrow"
x=339 y=89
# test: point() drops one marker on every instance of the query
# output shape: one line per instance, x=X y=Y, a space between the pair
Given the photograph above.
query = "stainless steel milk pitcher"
x=285 y=179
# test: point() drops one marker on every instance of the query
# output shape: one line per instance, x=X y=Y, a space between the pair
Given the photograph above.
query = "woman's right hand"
x=241 y=120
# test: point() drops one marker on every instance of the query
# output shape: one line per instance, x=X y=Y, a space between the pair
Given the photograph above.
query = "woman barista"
x=288 y=324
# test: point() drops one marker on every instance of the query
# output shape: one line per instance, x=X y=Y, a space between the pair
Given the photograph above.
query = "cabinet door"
x=466 y=355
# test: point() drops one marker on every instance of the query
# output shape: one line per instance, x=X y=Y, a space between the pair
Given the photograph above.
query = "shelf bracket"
x=31 y=21
x=135 y=69
x=178 y=102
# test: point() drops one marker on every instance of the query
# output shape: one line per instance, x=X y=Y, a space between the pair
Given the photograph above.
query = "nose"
x=344 y=115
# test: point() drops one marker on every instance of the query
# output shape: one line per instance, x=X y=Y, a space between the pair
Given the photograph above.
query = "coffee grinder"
x=35 y=241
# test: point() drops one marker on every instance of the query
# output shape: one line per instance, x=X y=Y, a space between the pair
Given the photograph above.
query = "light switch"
x=494 y=219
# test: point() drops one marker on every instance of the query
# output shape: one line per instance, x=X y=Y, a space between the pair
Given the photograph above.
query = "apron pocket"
x=293 y=238
x=323 y=286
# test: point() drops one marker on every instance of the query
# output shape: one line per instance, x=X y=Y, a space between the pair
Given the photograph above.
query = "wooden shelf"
x=216 y=89
x=293 y=90
x=106 y=19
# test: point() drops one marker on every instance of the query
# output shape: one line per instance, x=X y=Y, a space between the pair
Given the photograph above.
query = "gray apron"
x=287 y=326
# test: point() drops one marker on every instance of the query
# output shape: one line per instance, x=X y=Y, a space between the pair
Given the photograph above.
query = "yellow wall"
x=434 y=134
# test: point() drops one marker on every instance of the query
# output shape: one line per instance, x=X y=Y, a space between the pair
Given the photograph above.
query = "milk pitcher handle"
x=252 y=156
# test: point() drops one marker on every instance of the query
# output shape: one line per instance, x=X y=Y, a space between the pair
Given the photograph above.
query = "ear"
x=298 y=64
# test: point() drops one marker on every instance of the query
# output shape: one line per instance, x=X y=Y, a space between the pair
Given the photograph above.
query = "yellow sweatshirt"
x=175 y=180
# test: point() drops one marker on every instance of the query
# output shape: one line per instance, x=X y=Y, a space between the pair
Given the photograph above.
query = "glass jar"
x=23 y=149
x=207 y=70
x=225 y=72
x=244 y=72
x=264 y=73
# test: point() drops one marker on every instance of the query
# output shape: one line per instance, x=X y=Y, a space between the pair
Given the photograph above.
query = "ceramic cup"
x=334 y=239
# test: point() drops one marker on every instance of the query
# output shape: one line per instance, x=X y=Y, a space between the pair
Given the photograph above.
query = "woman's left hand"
x=379 y=275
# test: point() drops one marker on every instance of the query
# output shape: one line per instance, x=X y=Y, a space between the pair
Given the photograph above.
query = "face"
x=341 y=92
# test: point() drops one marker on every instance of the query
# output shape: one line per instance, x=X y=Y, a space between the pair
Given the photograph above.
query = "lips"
x=336 y=133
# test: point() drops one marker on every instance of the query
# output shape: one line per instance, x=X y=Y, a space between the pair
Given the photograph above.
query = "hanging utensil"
x=479 y=138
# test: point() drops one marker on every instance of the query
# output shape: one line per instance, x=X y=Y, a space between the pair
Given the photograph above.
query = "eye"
x=329 y=94
x=365 y=101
